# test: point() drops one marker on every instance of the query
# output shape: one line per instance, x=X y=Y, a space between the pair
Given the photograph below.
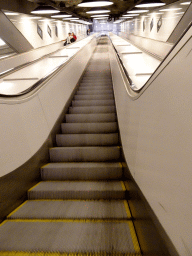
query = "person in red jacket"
x=74 y=37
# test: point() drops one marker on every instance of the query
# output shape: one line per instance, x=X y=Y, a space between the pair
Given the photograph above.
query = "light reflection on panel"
x=23 y=79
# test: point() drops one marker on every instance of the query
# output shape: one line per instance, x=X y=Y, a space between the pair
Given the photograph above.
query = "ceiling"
x=26 y=6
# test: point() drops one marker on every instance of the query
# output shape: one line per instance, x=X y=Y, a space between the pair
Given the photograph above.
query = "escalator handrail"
x=122 y=64
x=46 y=77
x=126 y=73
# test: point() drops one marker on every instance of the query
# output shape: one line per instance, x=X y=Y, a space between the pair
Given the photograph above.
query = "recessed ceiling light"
x=61 y=15
x=11 y=13
x=130 y=15
x=185 y=3
x=148 y=4
x=45 y=9
x=100 y=18
x=137 y=11
x=100 y=15
x=98 y=3
x=71 y=19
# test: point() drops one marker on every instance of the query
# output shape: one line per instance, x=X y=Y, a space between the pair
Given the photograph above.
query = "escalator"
x=80 y=207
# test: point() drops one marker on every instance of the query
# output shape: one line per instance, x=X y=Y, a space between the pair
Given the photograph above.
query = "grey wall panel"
x=12 y=36
x=26 y=123
x=156 y=138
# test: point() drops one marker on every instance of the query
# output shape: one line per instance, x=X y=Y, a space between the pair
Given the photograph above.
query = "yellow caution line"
x=127 y=209
x=120 y=164
x=75 y=200
x=123 y=186
x=14 y=253
x=70 y=220
x=45 y=165
x=35 y=186
x=134 y=237
x=14 y=211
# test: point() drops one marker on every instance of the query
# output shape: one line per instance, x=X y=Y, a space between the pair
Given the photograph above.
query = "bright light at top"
x=138 y=11
x=148 y=5
x=45 y=12
x=130 y=15
x=95 y=4
x=61 y=16
x=100 y=15
x=98 y=11
x=186 y=3
x=11 y=13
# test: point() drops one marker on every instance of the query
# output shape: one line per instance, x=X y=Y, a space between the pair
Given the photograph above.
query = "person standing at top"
x=88 y=31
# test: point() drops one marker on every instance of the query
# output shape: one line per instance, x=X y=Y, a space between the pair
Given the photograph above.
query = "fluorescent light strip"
x=95 y=4
x=100 y=15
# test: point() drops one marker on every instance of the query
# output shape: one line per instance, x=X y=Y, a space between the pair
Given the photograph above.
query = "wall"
x=155 y=131
x=158 y=24
x=27 y=122
x=27 y=25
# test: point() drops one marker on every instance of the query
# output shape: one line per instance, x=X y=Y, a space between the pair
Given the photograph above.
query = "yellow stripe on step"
x=123 y=186
x=16 y=209
x=134 y=237
x=71 y=220
x=35 y=186
x=14 y=253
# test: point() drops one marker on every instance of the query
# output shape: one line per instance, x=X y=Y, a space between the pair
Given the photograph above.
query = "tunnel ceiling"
x=26 y=6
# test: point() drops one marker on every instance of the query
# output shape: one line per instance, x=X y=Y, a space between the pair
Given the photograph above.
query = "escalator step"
x=90 y=110
x=89 y=118
x=84 y=154
x=94 y=97
x=77 y=190
x=72 y=209
x=76 y=140
x=81 y=171
x=97 y=92
x=39 y=236
x=74 y=128
x=93 y=103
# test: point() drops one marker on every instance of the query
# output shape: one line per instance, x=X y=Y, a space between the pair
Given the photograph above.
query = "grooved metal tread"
x=88 y=118
x=73 y=140
x=81 y=171
x=84 y=154
x=93 y=103
x=77 y=190
x=72 y=209
x=68 y=237
x=78 y=128
x=91 y=110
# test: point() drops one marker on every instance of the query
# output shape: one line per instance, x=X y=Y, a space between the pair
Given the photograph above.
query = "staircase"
x=79 y=207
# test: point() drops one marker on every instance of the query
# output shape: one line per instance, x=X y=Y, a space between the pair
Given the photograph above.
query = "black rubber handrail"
x=126 y=73
x=122 y=64
x=42 y=80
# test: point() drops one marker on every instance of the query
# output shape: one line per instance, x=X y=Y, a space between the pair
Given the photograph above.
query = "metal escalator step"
x=84 y=154
x=91 y=92
x=93 y=103
x=71 y=238
x=72 y=209
x=88 y=118
x=81 y=171
x=76 y=140
x=95 y=88
x=77 y=190
x=89 y=109
x=75 y=128
x=94 y=97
